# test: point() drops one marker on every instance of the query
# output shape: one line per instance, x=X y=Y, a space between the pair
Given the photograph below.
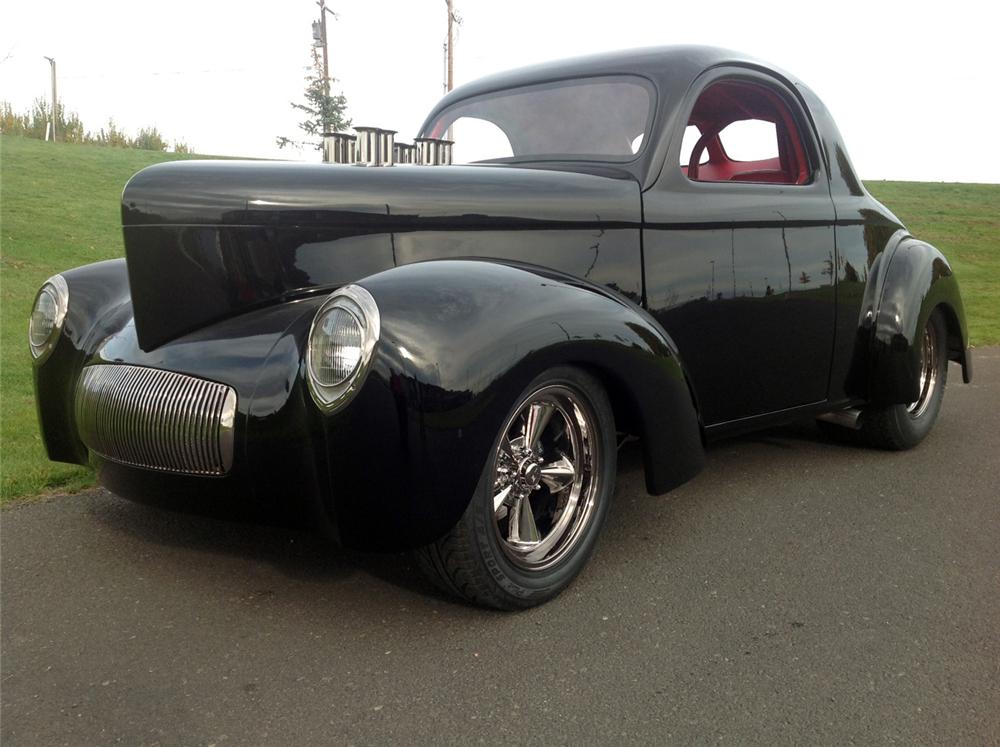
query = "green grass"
x=963 y=221
x=59 y=208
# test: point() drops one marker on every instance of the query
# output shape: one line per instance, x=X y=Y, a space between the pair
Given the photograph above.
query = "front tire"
x=541 y=500
x=900 y=427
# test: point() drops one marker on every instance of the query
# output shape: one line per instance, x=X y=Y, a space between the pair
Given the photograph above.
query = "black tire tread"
x=880 y=429
x=452 y=564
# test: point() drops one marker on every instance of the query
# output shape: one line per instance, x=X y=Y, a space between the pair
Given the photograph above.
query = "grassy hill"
x=963 y=221
x=60 y=209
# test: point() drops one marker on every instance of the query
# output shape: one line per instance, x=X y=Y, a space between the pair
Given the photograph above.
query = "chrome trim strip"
x=155 y=419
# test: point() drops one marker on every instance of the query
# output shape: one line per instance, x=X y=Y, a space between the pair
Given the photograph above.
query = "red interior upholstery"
x=730 y=101
x=741 y=171
x=762 y=175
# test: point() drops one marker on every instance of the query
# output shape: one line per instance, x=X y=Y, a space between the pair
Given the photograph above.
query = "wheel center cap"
x=531 y=473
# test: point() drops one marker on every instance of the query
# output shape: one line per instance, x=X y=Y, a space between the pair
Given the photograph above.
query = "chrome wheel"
x=541 y=500
x=929 y=365
x=545 y=480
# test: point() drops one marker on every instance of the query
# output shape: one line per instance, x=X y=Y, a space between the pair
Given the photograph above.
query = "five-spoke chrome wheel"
x=542 y=497
x=543 y=483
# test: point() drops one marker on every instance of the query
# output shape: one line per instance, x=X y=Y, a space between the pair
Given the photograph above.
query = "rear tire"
x=900 y=427
x=541 y=500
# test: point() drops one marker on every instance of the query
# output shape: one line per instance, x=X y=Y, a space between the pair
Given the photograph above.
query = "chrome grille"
x=156 y=419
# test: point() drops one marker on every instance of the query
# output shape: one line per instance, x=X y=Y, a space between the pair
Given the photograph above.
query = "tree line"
x=69 y=128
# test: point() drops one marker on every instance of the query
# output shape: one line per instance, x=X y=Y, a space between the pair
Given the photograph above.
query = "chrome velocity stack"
x=339 y=147
x=375 y=146
x=433 y=151
x=405 y=153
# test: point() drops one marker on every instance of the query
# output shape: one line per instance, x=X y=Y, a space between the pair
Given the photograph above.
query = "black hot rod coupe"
x=667 y=243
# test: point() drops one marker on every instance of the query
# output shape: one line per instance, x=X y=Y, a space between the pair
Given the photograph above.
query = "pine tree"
x=320 y=109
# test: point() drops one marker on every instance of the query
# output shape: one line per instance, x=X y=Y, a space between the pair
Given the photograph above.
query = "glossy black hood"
x=208 y=239
x=282 y=193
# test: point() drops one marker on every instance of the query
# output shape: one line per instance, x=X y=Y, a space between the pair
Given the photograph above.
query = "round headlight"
x=341 y=341
x=47 y=316
x=336 y=348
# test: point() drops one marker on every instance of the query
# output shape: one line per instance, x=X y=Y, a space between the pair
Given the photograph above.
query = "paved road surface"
x=797 y=591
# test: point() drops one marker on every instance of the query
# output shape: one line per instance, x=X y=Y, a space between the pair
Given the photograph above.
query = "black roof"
x=657 y=63
x=672 y=69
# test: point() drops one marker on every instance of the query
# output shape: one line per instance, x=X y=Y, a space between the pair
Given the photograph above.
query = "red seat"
x=762 y=175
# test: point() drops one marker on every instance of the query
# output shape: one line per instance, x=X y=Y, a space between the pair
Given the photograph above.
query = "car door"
x=739 y=250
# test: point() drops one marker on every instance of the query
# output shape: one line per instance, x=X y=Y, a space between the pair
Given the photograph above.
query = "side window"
x=478 y=140
x=750 y=140
x=744 y=131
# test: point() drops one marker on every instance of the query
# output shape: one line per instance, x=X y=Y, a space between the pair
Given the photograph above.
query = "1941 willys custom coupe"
x=669 y=243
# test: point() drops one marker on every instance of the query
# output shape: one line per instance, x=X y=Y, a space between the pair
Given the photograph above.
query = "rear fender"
x=916 y=280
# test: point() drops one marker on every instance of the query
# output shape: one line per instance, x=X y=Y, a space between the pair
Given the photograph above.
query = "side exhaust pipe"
x=850 y=418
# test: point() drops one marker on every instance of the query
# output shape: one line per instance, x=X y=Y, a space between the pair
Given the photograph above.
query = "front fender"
x=460 y=341
x=916 y=281
x=98 y=294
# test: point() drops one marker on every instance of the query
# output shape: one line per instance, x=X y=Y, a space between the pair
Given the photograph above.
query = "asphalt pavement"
x=797 y=591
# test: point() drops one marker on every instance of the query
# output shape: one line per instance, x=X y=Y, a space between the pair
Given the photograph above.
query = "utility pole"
x=449 y=47
x=55 y=101
x=451 y=44
x=320 y=41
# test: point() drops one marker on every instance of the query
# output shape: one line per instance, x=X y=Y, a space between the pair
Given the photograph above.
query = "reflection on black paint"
x=761 y=340
x=231 y=236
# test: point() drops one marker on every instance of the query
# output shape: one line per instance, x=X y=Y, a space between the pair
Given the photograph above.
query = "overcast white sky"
x=913 y=86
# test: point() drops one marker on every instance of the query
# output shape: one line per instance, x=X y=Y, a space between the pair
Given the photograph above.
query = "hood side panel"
x=208 y=240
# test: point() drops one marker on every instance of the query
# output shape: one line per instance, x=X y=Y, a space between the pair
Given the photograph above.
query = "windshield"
x=587 y=119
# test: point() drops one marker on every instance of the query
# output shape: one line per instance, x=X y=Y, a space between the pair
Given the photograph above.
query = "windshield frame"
x=647 y=84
